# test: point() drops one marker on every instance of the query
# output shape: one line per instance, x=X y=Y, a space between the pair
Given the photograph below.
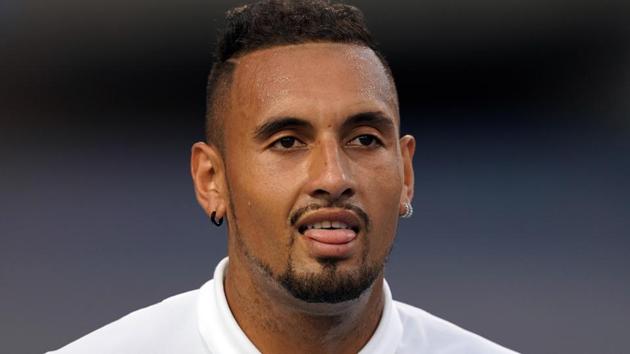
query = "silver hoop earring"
x=408 y=211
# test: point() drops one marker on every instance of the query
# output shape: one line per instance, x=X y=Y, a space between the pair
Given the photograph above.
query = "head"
x=303 y=155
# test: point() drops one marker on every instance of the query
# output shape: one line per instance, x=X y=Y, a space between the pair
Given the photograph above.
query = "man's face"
x=314 y=167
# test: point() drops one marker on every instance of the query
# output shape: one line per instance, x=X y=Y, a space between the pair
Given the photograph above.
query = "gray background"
x=520 y=108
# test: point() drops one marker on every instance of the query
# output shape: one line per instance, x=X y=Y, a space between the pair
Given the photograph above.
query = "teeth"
x=327 y=225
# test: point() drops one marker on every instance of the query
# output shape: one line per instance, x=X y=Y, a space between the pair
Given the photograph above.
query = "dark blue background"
x=522 y=117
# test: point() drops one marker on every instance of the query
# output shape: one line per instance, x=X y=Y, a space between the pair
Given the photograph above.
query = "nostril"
x=348 y=193
x=322 y=194
x=332 y=196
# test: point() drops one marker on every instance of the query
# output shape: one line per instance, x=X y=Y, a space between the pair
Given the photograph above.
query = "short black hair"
x=269 y=23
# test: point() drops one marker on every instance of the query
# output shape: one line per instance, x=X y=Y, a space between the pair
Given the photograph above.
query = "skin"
x=258 y=182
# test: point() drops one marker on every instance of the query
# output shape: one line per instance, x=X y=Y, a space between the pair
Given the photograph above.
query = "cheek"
x=270 y=185
x=262 y=197
x=259 y=198
x=381 y=177
x=381 y=189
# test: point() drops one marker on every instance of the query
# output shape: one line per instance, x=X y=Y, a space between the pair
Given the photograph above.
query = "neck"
x=275 y=321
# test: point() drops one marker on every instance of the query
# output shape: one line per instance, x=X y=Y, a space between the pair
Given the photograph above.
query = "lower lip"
x=330 y=243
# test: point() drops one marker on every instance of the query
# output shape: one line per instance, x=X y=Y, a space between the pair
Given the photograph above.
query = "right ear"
x=208 y=174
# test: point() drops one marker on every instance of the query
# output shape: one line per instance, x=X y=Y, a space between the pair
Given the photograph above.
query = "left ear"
x=407 y=149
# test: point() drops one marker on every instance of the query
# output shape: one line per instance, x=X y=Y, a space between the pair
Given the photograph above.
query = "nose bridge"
x=329 y=169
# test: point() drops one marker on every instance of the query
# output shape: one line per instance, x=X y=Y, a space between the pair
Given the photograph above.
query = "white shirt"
x=200 y=322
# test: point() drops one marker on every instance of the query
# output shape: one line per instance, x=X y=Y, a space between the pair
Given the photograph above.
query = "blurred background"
x=521 y=111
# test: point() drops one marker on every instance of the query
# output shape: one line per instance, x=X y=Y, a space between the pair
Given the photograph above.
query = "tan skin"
x=258 y=181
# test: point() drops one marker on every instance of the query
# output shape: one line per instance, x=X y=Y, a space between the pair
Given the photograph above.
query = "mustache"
x=298 y=213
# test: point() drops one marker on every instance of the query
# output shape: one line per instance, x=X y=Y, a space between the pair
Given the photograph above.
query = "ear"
x=407 y=149
x=208 y=174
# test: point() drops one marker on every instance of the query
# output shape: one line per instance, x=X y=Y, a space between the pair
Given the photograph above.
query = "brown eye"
x=366 y=140
x=287 y=142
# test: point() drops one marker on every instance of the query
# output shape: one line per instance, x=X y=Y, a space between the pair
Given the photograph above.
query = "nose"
x=330 y=177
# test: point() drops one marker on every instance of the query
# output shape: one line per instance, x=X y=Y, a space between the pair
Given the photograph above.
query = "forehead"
x=312 y=77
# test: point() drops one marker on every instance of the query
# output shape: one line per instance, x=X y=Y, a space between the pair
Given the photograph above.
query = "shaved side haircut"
x=271 y=23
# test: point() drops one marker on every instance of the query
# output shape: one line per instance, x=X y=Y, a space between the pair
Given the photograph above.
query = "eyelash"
x=376 y=142
x=277 y=144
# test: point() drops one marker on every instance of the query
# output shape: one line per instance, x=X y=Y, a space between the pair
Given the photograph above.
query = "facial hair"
x=330 y=285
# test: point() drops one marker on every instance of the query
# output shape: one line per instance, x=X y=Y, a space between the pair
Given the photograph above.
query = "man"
x=304 y=161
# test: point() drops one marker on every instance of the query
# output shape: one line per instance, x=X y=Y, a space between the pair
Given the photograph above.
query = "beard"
x=330 y=285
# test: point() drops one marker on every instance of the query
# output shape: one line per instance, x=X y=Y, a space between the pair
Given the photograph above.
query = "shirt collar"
x=389 y=331
x=222 y=334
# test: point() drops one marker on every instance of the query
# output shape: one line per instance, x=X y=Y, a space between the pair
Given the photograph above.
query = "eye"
x=366 y=140
x=287 y=142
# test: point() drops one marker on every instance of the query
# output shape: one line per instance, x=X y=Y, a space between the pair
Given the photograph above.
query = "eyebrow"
x=377 y=119
x=271 y=127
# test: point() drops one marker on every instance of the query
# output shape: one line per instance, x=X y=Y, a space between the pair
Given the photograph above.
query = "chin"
x=333 y=282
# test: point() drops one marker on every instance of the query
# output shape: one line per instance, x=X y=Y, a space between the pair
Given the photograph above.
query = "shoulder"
x=159 y=328
x=435 y=335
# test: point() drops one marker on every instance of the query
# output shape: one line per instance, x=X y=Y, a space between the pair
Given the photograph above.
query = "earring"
x=213 y=219
x=408 y=211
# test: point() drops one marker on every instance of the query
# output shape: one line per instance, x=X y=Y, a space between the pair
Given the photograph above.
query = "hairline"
x=225 y=80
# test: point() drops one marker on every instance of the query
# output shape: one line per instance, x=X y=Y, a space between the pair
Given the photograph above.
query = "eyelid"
x=378 y=141
x=367 y=130
x=276 y=140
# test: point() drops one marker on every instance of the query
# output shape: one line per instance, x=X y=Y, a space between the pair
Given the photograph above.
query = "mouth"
x=330 y=232
x=329 y=220
x=327 y=225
